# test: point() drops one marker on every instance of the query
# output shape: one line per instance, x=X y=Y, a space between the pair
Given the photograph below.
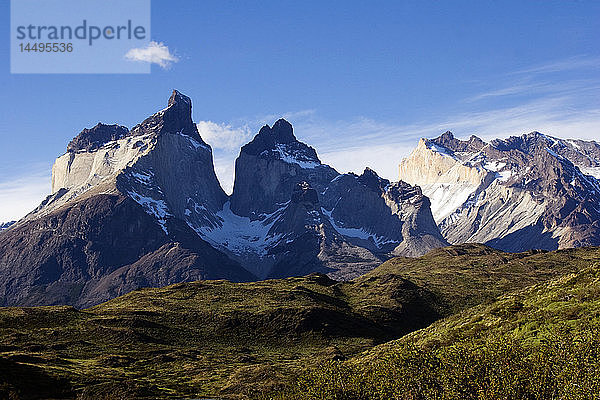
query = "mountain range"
x=530 y=191
x=139 y=207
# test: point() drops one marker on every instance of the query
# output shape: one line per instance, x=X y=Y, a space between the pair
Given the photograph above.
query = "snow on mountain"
x=367 y=216
x=6 y=225
x=116 y=218
x=240 y=235
x=516 y=194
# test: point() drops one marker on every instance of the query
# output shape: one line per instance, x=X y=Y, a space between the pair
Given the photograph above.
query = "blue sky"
x=360 y=81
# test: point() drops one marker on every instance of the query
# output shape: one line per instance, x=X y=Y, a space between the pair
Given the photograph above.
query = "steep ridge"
x=381 y=216
x=290 y=214
x=116 y=219
x=514 y=194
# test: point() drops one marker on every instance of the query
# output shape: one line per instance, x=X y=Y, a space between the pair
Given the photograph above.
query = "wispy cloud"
x=154 y=53
x=352 y=145
x=569 y=64
x=20 y=195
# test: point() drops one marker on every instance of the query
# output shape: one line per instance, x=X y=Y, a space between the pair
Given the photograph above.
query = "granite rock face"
x=143 y=207
x=117 y=216
x=531 y=191
x=291 y=214
x=269 y=167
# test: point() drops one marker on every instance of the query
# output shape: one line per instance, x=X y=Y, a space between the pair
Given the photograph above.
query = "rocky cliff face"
x=290 y=214
x=381 y=216
x=531 y=191
x=270 y=166
x=163 y=164
x=143 y=207
x=117 y=217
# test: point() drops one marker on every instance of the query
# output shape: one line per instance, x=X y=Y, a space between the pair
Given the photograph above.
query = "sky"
x=360 y=81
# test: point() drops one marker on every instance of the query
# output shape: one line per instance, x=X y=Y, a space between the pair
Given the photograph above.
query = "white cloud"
x=224 y=136
x=20 y=195
x=154 y=53
x=224 y=168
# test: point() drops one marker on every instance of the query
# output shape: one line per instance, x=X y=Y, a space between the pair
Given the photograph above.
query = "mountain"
x=218 y=339
x=115 y=220
x=290 y=214
x=140 y=207
x=531 y=191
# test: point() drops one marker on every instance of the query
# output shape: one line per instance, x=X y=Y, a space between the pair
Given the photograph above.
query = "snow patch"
x=593 y=171
x=193 y=142
x=446 y=198
x=157 y=208
x=241 y=235
x=554 y=154
x=574 y=144
x=144 y=177
x=494 y=166
x=504 y=176
x=289 y=157
x=359 y=233
x=439 y=149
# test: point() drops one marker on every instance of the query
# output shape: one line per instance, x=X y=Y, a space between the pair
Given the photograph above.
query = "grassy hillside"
x=539 y=343
x=216 y=338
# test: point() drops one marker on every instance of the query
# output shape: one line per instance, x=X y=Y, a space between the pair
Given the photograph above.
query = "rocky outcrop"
x=92 y=139
x=118 y=216
x=290 y=214
x=531 y=191
x=382 y=216
x=270 y=166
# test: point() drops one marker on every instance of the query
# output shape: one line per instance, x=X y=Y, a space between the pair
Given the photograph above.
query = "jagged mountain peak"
x=371 y=180
x=283 y=131
x=516 y=193
x=279 y=142
x=175 y=119
x=448 y=141
x=526 y=143
x=93 y=138
x=448 y=135
x=179 y=99
x=269 y=167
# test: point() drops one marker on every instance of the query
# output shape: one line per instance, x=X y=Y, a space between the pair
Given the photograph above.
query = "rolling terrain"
x=240 y=340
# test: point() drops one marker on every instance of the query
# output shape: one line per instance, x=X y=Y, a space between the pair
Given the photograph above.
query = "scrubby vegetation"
x=543 y=343
x=312 y=337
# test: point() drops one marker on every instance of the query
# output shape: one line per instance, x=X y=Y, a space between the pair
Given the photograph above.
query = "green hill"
x=238 y=340
x=542 y=342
